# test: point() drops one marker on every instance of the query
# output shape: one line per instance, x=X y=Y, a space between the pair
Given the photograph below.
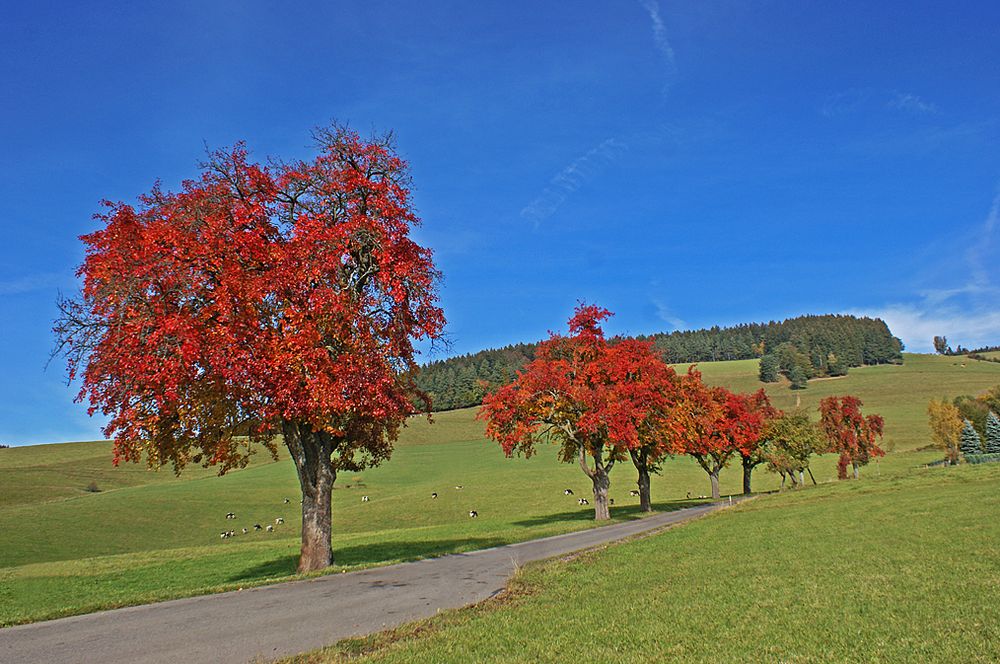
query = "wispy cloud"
x=585 y=167
x=31 y=282
x=907 y=101
x=871 y=100
x=661 y=41
x=966 y=313
x=917 y=325
x=667 y=316
x=569 y=180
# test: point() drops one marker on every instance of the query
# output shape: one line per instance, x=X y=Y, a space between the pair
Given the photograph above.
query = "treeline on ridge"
x=798 y=348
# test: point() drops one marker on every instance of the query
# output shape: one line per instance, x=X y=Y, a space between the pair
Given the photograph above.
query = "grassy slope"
x=901 y=569
x=157 y=536
x=898 y=393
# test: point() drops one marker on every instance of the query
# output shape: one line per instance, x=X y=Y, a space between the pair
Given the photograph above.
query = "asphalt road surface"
x=267 y=622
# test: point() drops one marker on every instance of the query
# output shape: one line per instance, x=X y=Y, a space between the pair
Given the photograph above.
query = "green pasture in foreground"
x=150 y=535
x=901 y=569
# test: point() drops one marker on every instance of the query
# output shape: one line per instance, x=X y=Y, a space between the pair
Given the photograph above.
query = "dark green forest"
x=798 y=348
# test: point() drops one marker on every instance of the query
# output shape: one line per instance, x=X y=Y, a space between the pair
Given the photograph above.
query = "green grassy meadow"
x=150 y=535
x=901 y=569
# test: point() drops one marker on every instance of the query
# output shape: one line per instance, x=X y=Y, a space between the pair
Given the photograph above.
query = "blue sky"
x=682 y=163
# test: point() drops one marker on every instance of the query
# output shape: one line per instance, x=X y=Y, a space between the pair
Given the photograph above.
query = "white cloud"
x=967 y=313
x=907 y=101
x=874 y=100
x=667 y=316
x=567 y=181
x=661 y=40
x=917 y=325
x=31 y=282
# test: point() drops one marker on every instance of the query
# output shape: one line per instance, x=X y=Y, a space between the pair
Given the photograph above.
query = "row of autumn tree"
x=603 y=402
x=797 y=348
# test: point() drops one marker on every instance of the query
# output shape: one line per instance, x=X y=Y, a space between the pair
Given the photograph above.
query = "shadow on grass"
x=586 y=513
x=369 y=554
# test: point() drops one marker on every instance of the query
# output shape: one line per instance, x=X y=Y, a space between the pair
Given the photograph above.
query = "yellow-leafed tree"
x=946 y=427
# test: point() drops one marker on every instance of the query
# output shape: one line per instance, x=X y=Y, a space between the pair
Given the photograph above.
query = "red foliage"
x=747 y=415
x=850 y=433
x=582 y=391
x=254 y=296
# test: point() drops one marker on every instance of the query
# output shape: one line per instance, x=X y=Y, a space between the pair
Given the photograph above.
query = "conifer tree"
x=769 y=368
x=971 y=443
x=992 y=433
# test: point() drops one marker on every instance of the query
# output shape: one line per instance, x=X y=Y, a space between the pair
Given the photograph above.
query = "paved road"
x=284 y=619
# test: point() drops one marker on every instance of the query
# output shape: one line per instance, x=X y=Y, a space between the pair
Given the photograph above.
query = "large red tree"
x=259 y=300
x=571 y=394
x=850 y=433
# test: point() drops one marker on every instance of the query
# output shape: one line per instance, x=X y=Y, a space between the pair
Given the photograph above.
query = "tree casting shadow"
x=369 y=554
x=628 y=512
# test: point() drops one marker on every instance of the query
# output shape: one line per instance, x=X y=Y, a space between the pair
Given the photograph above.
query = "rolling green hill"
x=151 y=535
x=888 y=570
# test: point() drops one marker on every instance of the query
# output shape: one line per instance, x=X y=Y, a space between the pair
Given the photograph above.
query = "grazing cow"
x=611 y=501
x=459 y=487
x=279 y=521
x=583 y=501
x=230 y=516
x=223 y=535
x=689 y=495
x=364 y=499
x=568 y=492
x=245 y=531
x=434 y=495
x=270 y=528
x=473 y=514
x=633 y=492
x=256 y=526
x=287 y=501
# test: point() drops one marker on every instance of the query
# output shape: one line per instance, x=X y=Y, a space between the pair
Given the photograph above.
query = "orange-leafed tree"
x=259 y=300
x=581 y=393
x=646 y=407
x=748 y=416
x=706 y=437
x=850 y=433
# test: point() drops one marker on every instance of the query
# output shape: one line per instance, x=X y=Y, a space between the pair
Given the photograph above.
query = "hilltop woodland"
x=602 y=402
x=798 y=349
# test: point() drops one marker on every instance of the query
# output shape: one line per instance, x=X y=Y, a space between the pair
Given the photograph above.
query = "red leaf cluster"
x=256 y=294
x=850 y=433
x=582 y=390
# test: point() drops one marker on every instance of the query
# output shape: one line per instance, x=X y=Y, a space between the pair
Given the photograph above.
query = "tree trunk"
x=715 y=485
x=857 y=471
x=782 y=487
x=310 y=450
x=601 y=485
x=811 y=476
x=641 y=461
x=747 y=472
x=599 y=476
x=802 y=477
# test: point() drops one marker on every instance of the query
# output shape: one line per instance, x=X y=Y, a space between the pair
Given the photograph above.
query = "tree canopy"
x=259 y=299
